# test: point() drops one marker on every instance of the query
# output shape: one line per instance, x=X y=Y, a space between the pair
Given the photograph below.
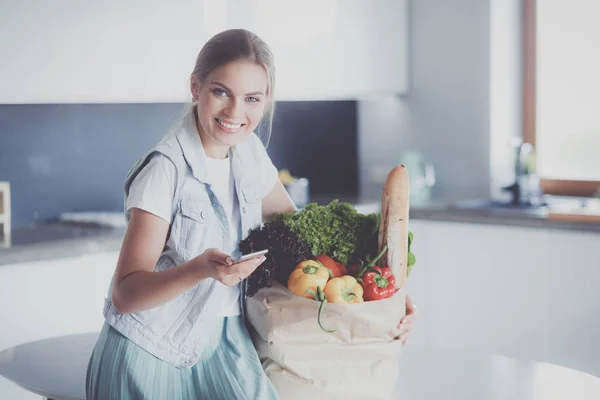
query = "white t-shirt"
x=153 y=190
x=223 y=186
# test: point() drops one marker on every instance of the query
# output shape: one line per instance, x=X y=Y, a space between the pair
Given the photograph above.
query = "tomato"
x=337 y=268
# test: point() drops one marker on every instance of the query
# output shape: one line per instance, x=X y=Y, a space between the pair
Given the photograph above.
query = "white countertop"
x=56 y=368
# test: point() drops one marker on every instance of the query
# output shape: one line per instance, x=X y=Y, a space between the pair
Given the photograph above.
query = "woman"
x=174 y=325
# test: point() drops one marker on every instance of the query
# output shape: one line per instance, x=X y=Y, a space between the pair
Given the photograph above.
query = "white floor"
x=9 y=390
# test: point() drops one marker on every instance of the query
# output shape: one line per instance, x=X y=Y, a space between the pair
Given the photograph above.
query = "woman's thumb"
x=220 y=257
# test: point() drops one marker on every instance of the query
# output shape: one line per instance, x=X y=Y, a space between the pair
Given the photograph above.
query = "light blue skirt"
x=229 y=368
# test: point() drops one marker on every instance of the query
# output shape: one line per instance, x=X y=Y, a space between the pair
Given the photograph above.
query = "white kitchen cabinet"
x=417 y=284
x=330 y=49
x=527 y=293
x=98 y=52
x=144 y=51
x=52 y=298
x=485 y=288
x=574 y=300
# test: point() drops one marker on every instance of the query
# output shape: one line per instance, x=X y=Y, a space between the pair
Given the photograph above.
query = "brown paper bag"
x=358 y=361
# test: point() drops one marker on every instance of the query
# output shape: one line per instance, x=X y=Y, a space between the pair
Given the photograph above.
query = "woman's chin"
x=231 y=138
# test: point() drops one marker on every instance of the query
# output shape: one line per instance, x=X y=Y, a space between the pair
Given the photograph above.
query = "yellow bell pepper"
x=345 y=290
x=307 y=276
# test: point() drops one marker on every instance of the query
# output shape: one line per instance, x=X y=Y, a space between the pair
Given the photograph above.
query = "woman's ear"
x=194 y=87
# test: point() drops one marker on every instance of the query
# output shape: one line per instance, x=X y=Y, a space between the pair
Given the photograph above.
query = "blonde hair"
x=240 y=45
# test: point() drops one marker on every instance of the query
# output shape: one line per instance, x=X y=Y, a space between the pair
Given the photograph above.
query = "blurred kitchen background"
x=496 y=119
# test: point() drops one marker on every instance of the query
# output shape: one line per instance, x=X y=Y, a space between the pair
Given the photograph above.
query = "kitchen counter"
x=444 y=212
x=55 y=240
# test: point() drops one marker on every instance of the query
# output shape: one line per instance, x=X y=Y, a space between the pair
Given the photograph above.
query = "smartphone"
x=250 y=256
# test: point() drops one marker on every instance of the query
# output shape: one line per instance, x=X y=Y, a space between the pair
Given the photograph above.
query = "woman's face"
x=231 y=102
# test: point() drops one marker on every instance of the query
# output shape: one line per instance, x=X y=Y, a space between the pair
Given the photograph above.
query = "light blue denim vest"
x=175 y=331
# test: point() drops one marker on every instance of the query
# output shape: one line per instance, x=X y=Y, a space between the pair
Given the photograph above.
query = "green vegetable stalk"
x=411 y=257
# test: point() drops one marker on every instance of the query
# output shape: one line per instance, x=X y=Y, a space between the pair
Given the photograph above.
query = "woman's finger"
x=408 y=319
x=411 y=307
x=403 y=335
x=217 y=255
x=405 y=326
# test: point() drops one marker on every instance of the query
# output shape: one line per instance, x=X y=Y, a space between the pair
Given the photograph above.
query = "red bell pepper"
x=378 y=283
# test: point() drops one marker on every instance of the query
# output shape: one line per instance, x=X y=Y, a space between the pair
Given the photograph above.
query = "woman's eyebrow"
x=231 y=91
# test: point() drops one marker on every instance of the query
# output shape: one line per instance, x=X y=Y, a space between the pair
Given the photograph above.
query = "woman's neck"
x=214 y=150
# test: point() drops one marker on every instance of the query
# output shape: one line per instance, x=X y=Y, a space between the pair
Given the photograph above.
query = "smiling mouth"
x=228 y=125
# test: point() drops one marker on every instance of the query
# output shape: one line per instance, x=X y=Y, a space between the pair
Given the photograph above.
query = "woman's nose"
x=235 y=108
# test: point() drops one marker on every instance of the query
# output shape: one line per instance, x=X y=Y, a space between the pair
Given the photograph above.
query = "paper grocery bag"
x=357 y=361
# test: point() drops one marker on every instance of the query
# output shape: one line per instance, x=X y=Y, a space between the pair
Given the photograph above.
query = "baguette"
x=394 y=223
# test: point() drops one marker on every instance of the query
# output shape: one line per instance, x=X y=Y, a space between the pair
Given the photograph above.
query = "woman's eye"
x=252 y=99
x=220 y=92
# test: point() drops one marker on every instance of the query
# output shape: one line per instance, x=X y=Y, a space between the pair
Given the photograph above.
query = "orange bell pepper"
x=307 y=275
x=345 y=290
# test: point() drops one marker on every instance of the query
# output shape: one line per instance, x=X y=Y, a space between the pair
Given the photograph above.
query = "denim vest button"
x=203 y=215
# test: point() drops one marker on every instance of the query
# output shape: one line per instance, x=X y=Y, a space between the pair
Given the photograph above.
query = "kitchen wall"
x=445 y=114
x=74 y=157
x=459 y=102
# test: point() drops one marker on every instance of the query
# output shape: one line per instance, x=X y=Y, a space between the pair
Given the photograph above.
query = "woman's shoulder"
x=161 y=159
x=170 y=147
x=160 y=162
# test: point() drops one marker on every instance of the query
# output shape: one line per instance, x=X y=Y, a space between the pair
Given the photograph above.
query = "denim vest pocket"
x=250 y=193
x=251 y=207
x=196 y=218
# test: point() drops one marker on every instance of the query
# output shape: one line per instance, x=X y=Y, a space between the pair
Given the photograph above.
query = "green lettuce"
x=336 y=229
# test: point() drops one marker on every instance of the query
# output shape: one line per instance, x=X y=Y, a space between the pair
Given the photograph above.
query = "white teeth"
x=228 y=126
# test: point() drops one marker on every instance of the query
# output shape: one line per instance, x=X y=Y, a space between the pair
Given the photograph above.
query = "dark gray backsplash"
x=318 y=140
x=74 y=157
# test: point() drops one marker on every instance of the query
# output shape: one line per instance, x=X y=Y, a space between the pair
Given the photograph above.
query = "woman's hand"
x=406 y=323
x=220 y=266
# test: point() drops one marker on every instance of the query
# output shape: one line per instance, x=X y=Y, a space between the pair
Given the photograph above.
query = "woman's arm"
x=277 y=201
x=137 y=287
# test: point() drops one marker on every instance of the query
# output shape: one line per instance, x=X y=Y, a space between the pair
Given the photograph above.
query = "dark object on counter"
x=526 y=190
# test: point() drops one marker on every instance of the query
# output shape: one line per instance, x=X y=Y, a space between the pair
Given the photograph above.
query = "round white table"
x=55 y=368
